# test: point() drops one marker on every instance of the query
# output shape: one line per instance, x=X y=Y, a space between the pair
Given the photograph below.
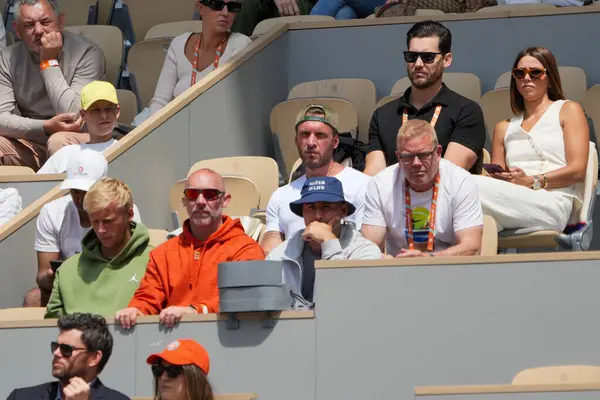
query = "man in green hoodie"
x=115 y=253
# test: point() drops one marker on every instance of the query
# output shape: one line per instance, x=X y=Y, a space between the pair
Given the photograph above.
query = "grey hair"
x=19 y=3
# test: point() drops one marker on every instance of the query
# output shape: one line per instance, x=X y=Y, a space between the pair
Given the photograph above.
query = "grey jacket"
x=350 y=246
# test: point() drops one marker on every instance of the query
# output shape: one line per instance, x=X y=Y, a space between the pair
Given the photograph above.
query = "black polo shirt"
x=460 y=121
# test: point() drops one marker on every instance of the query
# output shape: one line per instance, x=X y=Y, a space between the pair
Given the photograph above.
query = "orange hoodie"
x=183 y=270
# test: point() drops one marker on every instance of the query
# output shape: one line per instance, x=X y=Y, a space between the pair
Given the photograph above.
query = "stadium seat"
x=79 y=12
x=384 y=100
x=105 y=11
x=495 y=105
x=360 y=92
x=578 y=240
x=573 y=79
x=294 y=168
x=489 y=241
x=15 y=170
x=427 y=11
x=110 y=41
x=129 y=104
x=157 y=236
x=487 y=158
x=591 y=105
x=267 y=24
x=145 y=74
x=283 y=122
x=22 y=313
x=558 y=374
x=144 y=15
x=261 y=170
x=245 y=197
x=173 y=29
x=463 y=83
x=516 y=7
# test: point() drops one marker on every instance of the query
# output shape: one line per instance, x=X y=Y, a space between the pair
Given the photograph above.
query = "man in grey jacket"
x=327 y=235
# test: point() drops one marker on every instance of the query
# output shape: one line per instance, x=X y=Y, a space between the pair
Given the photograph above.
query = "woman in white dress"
x=192 y=56
x=543 y=150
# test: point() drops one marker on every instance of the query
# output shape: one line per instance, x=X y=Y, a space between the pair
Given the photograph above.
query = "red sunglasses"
x=208 y=194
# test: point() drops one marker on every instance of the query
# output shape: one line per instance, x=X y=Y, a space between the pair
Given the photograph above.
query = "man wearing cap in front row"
x=316 y=139
x=327 y=235
x=63 y=223
x=100 y=111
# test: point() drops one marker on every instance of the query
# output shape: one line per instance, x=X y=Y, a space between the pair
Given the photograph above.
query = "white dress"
x=536 y=152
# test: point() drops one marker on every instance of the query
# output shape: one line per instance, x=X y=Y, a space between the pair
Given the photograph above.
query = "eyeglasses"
x=409 y=158
x=65 y=349
x=427 y=57
x=173 y=371
x=534 y=73
x=218 y=5
x=208 y=194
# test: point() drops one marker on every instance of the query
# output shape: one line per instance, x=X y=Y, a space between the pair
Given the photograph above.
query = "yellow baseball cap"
x=98 y=90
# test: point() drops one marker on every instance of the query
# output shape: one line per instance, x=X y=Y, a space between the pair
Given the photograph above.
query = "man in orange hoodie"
x=181 y=277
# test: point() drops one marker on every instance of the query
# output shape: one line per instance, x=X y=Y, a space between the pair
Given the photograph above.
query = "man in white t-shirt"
x=442 y=203
x=62 y=223
x=316 y=138
x=100 y=111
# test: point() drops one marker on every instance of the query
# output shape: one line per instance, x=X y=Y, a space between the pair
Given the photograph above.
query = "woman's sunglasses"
x=534 y=73
x=173 y=371
x=218 y=5
x=65 y=349
x=208 y=194
x=427 y=57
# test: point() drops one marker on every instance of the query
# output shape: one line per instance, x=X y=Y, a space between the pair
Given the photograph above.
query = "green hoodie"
x=89 y=283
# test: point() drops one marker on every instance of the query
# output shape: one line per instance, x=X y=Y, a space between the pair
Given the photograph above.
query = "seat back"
x=269 y=23
x=464 y=83
x=387 y=99
x=296 y=165
x=516 y=7
x=157 y=236
x=128 y=103
x=591 y=104
x=15 y=170
x=360 y=92
x=487 y=158
x=105 y=10
x=495 y=105
x=283 y=122
x=573 y=80
x=489 y=241
x=173 y=29
x=144 y=16
x=76 y=11
x=146 y=73
x=588 y=187
x=110 y=40
x=22 y=313
x=262 y=171
x=559 y=374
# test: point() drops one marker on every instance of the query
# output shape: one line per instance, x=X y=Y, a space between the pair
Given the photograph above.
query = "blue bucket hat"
x=323 y=188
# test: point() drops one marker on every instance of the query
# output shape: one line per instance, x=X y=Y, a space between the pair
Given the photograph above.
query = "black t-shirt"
x=460 y=121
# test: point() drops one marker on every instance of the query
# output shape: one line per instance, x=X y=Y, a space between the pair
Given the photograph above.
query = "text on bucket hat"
x=84 y=169
x=316 y=112
x=325 y=189
x=96 y=91
x=183 y=352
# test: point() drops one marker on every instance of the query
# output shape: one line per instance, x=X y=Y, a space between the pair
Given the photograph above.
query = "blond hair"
x=416 y=128
x=105 y=192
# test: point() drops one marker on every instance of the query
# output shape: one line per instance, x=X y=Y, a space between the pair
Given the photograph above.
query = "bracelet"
x=48 y=64
x=545 y=181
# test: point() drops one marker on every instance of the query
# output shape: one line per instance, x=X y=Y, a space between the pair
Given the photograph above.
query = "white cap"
x=85 y=169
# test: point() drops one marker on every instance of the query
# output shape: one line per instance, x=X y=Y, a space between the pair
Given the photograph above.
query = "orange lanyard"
x=218 y=55
x=409 y=221
x=436 y=115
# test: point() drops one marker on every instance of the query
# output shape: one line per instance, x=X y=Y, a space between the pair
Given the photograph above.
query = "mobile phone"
x=54 y=264
x=493 y=168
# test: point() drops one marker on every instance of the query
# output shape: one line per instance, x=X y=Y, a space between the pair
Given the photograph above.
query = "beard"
x=313 y=160
x=429 y=79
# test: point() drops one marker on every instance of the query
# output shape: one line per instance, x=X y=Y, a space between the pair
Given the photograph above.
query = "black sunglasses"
x=218 y=5
x=65 y=349
x=173 y=371
x=534 y=73
x=409 y=158
x=426 y=56
x=208 y=194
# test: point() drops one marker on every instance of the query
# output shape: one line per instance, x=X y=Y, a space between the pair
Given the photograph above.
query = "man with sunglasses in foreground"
x=181 y=277
x=80 y=353
x=457 y=120
x=423 y=205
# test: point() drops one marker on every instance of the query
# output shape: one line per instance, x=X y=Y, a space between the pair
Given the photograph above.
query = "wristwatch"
x=537 y=183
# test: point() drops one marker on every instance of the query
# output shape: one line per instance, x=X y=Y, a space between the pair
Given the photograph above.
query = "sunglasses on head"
x=218 y=5
x=208 y=194
x=427 y=57
x=65 y=349
x=173 y=371
x=534 y=73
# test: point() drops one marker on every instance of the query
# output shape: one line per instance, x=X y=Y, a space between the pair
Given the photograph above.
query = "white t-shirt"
x=281 y=219
x=57 y=164
x=458 y=205
x=59 y=228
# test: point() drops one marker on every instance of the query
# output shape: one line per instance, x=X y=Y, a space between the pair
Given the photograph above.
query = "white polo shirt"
x=458 y=205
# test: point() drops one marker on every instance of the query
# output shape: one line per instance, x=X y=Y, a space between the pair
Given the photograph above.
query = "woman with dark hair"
x=542 y=151
x=180 y=372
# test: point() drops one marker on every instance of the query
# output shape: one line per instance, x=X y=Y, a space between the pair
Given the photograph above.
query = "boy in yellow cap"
x=100 y=111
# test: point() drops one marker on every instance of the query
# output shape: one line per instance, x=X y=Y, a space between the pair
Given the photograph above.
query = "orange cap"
x=183 y=352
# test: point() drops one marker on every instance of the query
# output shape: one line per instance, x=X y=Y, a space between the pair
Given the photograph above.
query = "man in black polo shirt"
x=457 y=120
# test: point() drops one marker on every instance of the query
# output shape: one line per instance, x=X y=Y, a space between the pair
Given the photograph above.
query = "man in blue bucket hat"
x=327 y=236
